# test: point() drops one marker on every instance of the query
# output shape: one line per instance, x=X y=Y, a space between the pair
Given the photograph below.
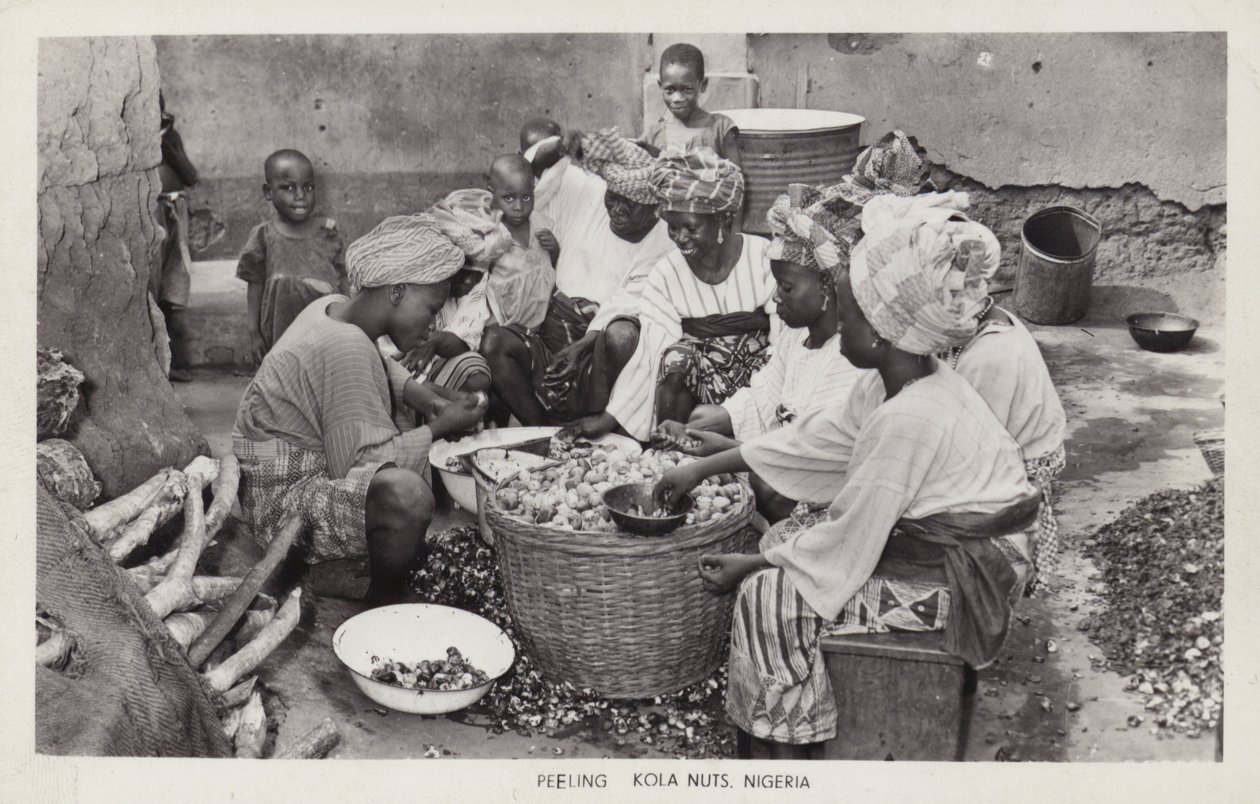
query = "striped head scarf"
x=814 y=228
x=920 y=273
x=469 y=220
x=625 y=167
x=405 y=249
x=697 y=180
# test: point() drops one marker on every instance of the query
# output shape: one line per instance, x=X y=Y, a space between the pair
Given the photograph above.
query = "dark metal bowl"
x=1161 y=332
x=620 y=499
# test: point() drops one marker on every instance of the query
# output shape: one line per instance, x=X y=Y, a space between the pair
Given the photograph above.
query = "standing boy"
x=292 y=259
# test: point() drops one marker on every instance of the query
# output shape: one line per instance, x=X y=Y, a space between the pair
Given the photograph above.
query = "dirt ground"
x=1131 y=417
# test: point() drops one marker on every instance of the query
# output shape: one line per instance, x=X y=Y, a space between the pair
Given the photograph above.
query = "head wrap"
x=697 y=180
x=406 y=249
x=625 y=167
x=920 y=273
x=467 y=218
x=890 y=166
x=814 y=229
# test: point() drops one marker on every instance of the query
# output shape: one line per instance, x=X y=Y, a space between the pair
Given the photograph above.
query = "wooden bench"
x=899 y=695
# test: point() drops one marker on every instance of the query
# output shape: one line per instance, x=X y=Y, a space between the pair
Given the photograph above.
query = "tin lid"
x=791 y=119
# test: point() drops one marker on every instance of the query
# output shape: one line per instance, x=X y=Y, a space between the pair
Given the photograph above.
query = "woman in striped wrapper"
x=705 y=313
x=931 y=514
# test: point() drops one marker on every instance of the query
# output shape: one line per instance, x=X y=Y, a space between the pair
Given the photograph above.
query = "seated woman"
x=316 y=434
x=1004 y=364
x=931 y=512
x=806 y=370
x=705 y=313
x=603 y=215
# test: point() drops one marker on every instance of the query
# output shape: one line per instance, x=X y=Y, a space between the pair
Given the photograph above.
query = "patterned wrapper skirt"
x=778 y=686
x=277 y=478
x=1042 y=472
x=715 y=367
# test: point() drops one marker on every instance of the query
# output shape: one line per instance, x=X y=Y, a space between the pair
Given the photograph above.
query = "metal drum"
x=785 y=146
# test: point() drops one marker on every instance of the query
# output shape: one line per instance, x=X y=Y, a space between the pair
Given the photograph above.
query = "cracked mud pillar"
x=98 y=240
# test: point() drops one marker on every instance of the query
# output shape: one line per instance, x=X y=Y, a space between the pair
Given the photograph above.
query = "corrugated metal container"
x=785 y=146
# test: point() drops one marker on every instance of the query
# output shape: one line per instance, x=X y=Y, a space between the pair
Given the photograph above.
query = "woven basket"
x=1212 y=444
x=624 y=615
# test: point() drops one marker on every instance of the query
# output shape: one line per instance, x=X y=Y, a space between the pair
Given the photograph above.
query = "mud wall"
x=1130 y=127
x=392 y=123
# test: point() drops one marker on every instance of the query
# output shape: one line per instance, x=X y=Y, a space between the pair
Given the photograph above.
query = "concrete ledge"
x=218 y=315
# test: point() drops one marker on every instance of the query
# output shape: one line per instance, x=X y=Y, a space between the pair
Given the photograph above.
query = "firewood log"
x=236 y=696
x=253 y=730
x=175 y=591
x=160 y=510
x=221 y=678
x=315 y=744
x=240 y=599
x=224 y=489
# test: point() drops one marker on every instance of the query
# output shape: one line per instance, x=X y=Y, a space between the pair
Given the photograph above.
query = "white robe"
x=673 y=293
x=933 y=448
x=595 y=264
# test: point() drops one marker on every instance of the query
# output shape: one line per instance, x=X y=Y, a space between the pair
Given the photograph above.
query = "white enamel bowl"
x=462 y=486
x=415 y=632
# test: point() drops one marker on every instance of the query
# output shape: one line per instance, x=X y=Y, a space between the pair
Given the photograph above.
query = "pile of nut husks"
x=461 y=571
x=1162 y=563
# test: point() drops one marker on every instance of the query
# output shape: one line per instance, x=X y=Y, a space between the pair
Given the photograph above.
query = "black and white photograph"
x=629 y=396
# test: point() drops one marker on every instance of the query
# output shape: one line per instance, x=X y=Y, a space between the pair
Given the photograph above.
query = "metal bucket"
x=1056 y=265
x=785 y=146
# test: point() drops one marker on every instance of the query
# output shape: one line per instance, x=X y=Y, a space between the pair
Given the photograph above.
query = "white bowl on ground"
x=462 y=486
x=415 y=632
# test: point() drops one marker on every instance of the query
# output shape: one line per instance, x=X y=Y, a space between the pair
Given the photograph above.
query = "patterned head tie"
x=920 y=273
x=467 y=218
x=405 y=249
x=890 y=166
x=697 y=180
x=625 y=167
x=814 y=227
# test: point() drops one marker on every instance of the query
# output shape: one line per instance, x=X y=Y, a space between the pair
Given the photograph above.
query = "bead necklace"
x=955 y=352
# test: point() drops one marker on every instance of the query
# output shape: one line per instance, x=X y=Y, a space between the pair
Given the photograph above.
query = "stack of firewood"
x=226 y=626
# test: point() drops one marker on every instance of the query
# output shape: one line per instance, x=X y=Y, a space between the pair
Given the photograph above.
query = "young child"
x=292 y=259
x=448 y=358
x=522 y=279
x=682 y=83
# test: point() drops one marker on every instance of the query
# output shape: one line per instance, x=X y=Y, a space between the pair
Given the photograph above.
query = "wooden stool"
x=900 y=696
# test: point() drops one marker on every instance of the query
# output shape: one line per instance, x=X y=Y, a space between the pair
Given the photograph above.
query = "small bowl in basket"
x=1161 y=332
x=620 y=500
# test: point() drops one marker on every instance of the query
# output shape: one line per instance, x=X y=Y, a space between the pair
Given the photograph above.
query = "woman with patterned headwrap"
x=1004 y=364
x=705 y=311
x=317 y=432
x=930 y=515
x=813 y=231
x=595 y=196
